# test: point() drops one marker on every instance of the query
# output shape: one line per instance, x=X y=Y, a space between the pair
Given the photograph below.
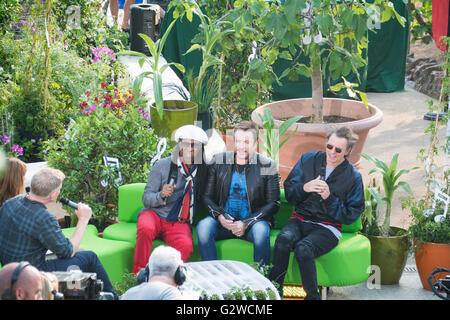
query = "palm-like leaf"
x=390 y=177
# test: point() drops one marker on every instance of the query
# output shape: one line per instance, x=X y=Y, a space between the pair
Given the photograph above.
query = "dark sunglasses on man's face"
x=190 y=144
x=330 y=147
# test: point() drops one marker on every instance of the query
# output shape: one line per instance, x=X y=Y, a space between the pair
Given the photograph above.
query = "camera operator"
x=20 y=281
x=162 y=276
x=28 y=230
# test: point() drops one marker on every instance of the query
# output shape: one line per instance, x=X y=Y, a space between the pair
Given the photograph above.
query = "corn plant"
x=390 y=177
x=156 y=72
x=271 y=135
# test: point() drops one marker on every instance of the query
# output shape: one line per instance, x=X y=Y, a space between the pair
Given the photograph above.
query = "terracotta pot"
x=312 y=136
x=430 y=256
x=389 y=254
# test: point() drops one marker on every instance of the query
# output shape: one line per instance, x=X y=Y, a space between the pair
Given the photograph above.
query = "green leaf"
x=303 y=70
x=324 y=22
x=249 y=97
x=292 y=7
x=131 y=53
x=287 y=138
x=287 y=124
x=157 y=92
x=406 y=187
x=276 y=23
x=363 y=97
x=150 y=44
x=195 y=46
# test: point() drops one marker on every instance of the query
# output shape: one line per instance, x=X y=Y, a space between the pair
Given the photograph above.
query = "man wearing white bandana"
x=170 y=196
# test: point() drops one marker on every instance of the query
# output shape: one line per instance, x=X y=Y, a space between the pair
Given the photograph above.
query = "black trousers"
x=308 y=241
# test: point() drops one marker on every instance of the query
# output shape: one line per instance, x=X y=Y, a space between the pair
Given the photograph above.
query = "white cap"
x=190 y=131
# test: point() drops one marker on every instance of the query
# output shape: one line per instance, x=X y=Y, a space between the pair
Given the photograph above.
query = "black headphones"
x=9 y=293
x=179 y=277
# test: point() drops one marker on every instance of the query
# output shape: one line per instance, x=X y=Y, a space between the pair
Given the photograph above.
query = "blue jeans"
x=209 y=230
x=87 y=261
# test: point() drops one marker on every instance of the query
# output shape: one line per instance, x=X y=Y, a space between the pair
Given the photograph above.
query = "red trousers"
x=149 y=227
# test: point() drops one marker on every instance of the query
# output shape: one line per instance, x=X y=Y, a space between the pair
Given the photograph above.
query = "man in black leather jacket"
x=242 y=195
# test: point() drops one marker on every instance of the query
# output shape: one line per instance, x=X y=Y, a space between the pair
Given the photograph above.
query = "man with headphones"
x=161 y=277
x=20 y=281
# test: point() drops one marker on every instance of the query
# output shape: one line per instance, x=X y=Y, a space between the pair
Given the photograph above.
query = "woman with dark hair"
x=13 y=179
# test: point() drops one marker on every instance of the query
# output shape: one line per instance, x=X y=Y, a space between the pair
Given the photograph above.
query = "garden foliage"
x=112 y=125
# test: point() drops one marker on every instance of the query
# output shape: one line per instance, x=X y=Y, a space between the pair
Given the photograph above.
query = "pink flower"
x=17 y=149
x=6 y=139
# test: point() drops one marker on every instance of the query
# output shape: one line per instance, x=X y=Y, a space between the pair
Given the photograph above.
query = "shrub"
x=118 y=129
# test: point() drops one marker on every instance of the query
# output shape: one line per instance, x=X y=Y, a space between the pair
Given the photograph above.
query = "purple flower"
x=99 y=53
x=16 y=148
x=6 y=139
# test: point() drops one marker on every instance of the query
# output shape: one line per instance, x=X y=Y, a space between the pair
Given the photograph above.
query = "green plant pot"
x=390 y=254
x=176 y=113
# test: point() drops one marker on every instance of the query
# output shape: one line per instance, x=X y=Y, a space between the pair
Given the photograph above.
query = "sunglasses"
x=330 y=147
x=190 y=145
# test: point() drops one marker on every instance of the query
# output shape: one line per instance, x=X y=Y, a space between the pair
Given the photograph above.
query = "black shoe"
x=127 y=30
x=313 y=297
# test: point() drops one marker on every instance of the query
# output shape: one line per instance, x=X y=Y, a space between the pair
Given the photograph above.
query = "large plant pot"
x=389 y=254
x=176 y=113
x=312 y=136
x=430 y=256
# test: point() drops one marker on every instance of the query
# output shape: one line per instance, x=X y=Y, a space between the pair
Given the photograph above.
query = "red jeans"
x=149 y=227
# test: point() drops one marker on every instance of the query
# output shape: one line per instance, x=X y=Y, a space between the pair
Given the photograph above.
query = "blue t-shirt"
x=237 y=203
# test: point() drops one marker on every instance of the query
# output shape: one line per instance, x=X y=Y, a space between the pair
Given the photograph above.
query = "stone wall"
x=424 y=75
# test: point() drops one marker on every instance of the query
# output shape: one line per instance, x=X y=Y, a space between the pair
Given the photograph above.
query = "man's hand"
x=226 y=223
x=167 y=190
x=319 y=186
x=238 y=228
x=84 y=212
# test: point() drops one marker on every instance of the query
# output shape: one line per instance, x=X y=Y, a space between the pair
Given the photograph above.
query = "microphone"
x=323 y=171
x=69 y=203
x=171 y=182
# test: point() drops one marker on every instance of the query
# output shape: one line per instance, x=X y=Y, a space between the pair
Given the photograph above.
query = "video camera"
x=440 y=284
x=81 y=286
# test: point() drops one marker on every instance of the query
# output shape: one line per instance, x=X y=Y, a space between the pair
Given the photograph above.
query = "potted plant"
x=389 y=245
x=333 y=36
x=166 y=115
x=203 y=87
x=430 y=234
x=430 y=224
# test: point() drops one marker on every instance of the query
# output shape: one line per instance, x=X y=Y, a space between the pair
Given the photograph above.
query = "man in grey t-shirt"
x=165 y=274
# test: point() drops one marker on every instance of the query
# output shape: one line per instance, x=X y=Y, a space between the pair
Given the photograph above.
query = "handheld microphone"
x=171 y=182
x=323 y=171
x=69 y=203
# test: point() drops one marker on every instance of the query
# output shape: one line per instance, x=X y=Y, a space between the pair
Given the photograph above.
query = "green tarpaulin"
x=387 y=54
x=385 y=71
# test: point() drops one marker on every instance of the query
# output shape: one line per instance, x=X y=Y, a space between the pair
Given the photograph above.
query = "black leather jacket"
x=262 y=181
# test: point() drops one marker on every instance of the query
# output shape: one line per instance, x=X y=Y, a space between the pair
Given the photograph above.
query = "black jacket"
x=346 y=201
x=262 y=181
